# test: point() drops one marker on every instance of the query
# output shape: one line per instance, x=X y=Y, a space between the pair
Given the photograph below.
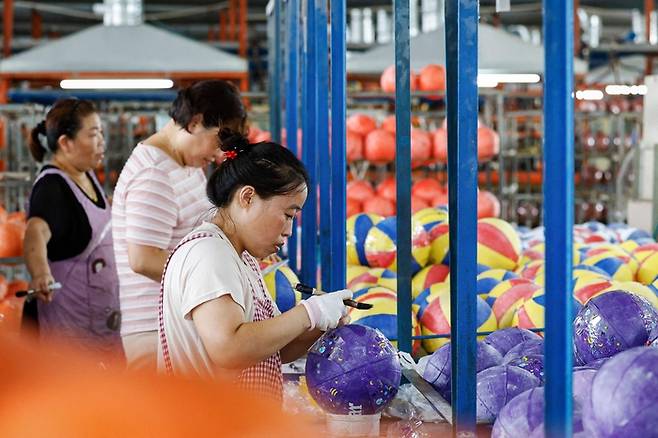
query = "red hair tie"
x=229 y=155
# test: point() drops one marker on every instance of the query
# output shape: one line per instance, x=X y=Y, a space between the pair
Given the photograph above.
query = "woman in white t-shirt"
x=159 y=198
x=216 y=318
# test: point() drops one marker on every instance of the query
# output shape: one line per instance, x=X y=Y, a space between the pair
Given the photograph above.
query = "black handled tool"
x=308 y=290
x=30 y=292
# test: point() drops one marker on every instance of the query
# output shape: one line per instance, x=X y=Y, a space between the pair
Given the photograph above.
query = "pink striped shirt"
x=156 y=202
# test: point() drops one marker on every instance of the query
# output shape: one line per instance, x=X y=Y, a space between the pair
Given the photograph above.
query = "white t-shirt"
x=199 y=271
x=156 y=202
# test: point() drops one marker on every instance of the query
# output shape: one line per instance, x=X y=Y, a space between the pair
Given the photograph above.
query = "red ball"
x=387 y=80
x=361 y=124
x=379 y=205
x=421 y=145
x=488 y=204
x=353 y=207
x=488 y=143
x=360 y=190
x=440 y=140
x=380 y=146
x=354 y=144
x=386 y=189
x=432 y=78
x=418 y=203
x=427 y=189
x=389 y=124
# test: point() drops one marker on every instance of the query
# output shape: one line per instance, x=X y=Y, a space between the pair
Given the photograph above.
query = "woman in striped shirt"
x=159 y=198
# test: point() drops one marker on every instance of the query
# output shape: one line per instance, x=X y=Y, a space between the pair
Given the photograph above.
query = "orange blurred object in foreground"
x=56 y=392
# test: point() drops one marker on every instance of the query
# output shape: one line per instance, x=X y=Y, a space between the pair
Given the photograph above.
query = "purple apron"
x=85 y=311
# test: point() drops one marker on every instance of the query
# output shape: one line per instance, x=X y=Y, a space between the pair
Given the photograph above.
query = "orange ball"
x=421 y=145
x=427 y=189
x=387 y=80
x=488 y=204
x=387 y=189
x=352 y=207
x=354 y=145
x=359 y=190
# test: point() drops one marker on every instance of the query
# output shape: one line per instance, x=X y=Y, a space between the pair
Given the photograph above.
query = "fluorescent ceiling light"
x=484 y=82
x=116 y=84
x=626 y=90
x=589 y=95
x=511 y=78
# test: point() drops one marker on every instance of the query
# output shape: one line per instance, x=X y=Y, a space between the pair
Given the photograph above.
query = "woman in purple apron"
x=69 y=238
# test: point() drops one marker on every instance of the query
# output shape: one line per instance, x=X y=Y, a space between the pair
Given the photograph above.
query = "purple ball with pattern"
x=610 y=323
x=532 y=346
x=624 y=396
x=523 y=417
x=353 y=370
x=503 y=340
x=531 y=362
x=496 y=386
x=438 y=371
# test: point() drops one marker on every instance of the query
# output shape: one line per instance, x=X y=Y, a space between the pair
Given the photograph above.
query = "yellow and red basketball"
x=374 y=277
x=381 y=245
x=499 y=245
x=433 y=307
x=508 y=296
x=427 y=277
x=648 y=271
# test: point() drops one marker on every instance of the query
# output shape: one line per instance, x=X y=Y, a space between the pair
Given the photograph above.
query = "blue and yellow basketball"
x=383 y=314
x=429 y=217
x=648 y=271
x=433 y=307
x=629 y=246
x=281 y=284
x=373 y=277
x=619 y=267
x=428 y=276
x=579 y=272
x=358 y=227
x=488 y=280
x=499 y=246
x=381 y=246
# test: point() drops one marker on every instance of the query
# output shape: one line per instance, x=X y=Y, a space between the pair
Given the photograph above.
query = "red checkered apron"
x=264 y=378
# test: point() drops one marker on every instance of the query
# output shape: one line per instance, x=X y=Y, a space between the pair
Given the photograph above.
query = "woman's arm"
x=234 y=344
x=35 y=253
x=147 y=260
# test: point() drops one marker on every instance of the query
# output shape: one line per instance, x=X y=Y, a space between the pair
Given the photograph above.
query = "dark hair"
x=269 y=167
x=219 y=102
x=64 y=118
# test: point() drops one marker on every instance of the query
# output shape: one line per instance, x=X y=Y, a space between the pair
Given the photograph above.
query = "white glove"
x=325 y=311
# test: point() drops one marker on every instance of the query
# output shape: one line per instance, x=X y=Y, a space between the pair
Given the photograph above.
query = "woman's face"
x=266 y=224
x=200 y=146
x=86 y=150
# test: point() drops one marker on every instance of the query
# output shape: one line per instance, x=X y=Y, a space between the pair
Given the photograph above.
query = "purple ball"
x=438 y=371
x=531 y=346
x=624 y=396
x=353 y=370
x=594 y=365
x=610 y=323
x=531 y=362
x=523 y=417
x=582 y=385
x=496 y=386
x=503 y=340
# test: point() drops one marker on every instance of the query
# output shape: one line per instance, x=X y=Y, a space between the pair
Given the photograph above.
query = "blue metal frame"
x=309 y=260
x=462 y=113
x=275 y=68
x=558 y=213
x=403 y=170
x=338 y=147
x=322 y=126
x=292 y=91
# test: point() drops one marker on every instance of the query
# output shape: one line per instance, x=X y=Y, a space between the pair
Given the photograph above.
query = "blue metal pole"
x=309 y=152
x=338 y=159
x=462 y=99
x=275 y=78
x=558 y=213
x=322 y=125
x=403 y=170
x=291 y=106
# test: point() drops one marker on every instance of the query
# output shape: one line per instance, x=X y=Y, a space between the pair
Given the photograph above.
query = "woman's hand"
x=41 y=284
